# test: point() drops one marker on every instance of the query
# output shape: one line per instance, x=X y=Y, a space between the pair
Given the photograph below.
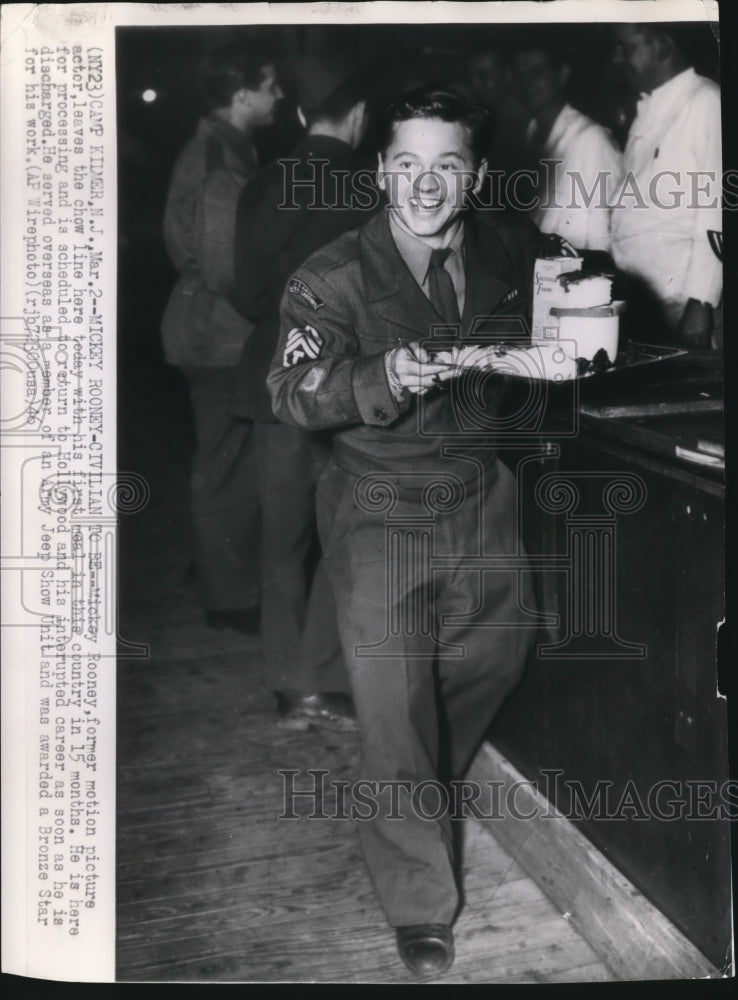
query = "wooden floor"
x=212 y=885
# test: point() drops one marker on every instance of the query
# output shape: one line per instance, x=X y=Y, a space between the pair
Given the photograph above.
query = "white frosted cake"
x=579 y=290
x=586 y=327
x=587 y=316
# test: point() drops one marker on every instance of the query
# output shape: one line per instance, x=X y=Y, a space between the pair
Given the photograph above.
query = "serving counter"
x=618 y=717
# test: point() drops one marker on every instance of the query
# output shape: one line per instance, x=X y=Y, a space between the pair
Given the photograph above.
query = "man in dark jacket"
x=204 y=335
x=292 y=208
x=414 y=493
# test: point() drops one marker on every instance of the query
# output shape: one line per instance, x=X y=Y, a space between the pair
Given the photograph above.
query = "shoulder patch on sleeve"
x=298 y=287
x=303 y=344
x=313 y=380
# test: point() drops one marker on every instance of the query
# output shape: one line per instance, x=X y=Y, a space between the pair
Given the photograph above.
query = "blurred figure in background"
x=291 y=209
x=575 y=191
x=203 y=334
x=488 y=80
x=671 y=199
x=489 y=84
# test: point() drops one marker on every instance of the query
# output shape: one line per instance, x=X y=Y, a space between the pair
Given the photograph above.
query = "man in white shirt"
x=670 y=200
x=581 y=166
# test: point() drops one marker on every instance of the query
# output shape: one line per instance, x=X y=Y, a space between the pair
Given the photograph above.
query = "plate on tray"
x=555 y=361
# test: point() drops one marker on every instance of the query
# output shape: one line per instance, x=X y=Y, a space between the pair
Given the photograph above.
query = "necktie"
x=441 y=288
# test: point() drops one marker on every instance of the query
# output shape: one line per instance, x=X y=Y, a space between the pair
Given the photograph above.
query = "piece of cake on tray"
x=584 y=320
x=587 y=317
x=581 y=290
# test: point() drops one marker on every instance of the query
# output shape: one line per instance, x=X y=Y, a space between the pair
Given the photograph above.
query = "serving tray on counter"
x=694 y=384
x=634 y=355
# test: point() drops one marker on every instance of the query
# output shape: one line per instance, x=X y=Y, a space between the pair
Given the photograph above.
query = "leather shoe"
x=329 y=709
x=244 y=620
x=426 y=949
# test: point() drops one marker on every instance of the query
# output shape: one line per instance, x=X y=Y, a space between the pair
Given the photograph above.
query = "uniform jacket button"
x=380 y=414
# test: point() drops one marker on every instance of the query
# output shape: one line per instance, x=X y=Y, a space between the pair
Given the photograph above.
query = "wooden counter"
x=621 y=688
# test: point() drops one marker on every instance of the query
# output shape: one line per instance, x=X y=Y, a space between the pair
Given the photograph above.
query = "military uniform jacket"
x=200 y=328
x=281 y=219
x=353 y=301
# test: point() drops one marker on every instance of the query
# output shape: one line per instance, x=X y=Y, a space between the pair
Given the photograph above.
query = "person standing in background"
x=489 y=84
x=670 y=201
x=579 y=184
x=292 y=208
x=203 y=334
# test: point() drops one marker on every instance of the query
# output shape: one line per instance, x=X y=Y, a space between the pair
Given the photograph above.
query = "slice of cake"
x=587 y=315
x=580 y=290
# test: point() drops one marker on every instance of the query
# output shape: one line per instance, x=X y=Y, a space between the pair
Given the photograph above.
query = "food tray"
x=517 y=362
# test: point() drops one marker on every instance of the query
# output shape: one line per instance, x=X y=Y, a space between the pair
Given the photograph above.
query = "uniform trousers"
x=422 y=707
x=299 y=634
x=224 y=496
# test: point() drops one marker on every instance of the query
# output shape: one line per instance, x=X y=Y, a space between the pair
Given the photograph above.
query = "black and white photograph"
x=413 y=515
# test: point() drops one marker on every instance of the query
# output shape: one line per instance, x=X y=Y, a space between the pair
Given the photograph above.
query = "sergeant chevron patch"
x=303 y=343
x=297 y=287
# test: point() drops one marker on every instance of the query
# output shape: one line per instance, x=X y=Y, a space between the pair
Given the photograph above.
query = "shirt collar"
x=558 y=128
x=315 y=143
x=563 y=120
x=241 y=145
x=416 y=253
x=668 y=93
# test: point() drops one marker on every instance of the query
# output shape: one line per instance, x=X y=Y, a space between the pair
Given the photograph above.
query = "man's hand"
x=412 y=367
x=695 y=326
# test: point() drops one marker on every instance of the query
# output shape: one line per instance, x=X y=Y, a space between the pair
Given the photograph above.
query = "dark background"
x=150 y=136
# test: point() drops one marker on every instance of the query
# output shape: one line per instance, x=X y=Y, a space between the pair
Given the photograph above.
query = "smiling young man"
x=431 y=652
